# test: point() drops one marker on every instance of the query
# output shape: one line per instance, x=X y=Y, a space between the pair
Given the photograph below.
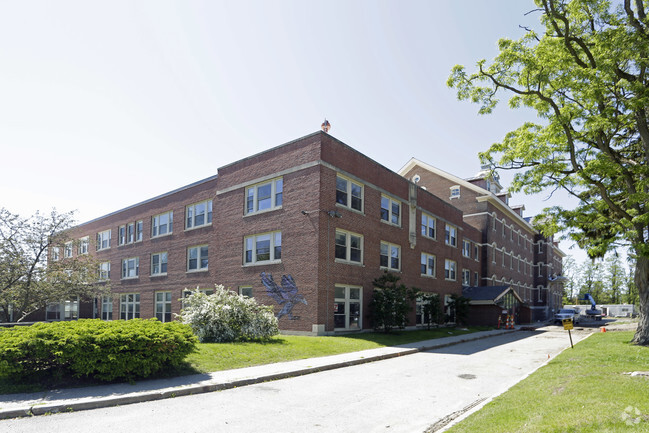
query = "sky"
x=104 y=104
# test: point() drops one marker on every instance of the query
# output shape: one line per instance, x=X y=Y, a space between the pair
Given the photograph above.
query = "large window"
x=198 y=214
x=466 y=277
x=263 y=248
x=56 y=253
x=265 y=196
x=162 y=224
x=450 y=235
x=349 y=246
x=103 y=240
x=390 y=256
x=131 y=267
x=106 y=308
x=347 y=307
x=104 y=271
x=349 y=193
x=129 y=233
x=163 y=306
x=159 y=263
x=466 y=248
x=83 y=245
x=450 y=270
x=390 y=210
x=428 y=265
x=67 y=250
x=428 y=224
x=129 y=306
x=197 y=258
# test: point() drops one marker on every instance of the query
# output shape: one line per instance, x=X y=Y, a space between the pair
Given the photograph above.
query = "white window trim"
x=348 y=191
x=159 y=274
x=246 y=288
x=347 y=300
x=348 y=248
x=208 y=215
x=124 y=303
x=454 y=192
x=56 y=254
x=466 y=277
x=466 y=248
x=391 y=201
x=84 y=244
x=199 y=258
x=67 y=250
x=106 y=307
x=426 y=256
x=100 y=239
x=273 y=196
x=447 y=240
x=169 y=224
x=427 y=225
x=137 y=268
x=389 y=266
x=272 y=259
x=450 y=266
x=166 y=305
x=102 y=276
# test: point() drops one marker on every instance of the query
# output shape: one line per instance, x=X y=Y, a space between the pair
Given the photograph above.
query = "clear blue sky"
x=107 y=103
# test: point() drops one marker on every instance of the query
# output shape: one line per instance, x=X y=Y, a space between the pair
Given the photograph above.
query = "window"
x=104 y=271
x=129 y=306
x=428 y=265
x=422 y=318
x=103 y=240
x=263 y=248
x=163 y=306
x=130 y=233
x=390 y=256
x=349 y=193
x=466 y=248
x=265 y=196
x=475 y=252
x=455 y=191
x=106 y=308
x=159 y=264
x=56 y=253
x=131 y=267
x=67 y=250
x=121 y=235
x=347 y=307
x=198 y=214
x=466 y=277
x=162 y=224
x=450 y=270
x=476 y=279
x=540 y=247
x=349 y=247
x=428 y=224
x=245 y=291
x=138 y=231
x=390 y=210
x=197 y=258
x=83 y=245
x=451 y=235
x=67 y=310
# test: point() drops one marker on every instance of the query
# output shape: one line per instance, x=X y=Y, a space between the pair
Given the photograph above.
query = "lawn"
x=224 y=356
x=582 y=390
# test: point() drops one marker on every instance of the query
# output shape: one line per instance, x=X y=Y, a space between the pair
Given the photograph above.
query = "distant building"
x=324 y=221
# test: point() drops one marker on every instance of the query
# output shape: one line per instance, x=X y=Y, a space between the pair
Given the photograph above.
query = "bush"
x=92 y=348
x=225 y=316
x=391 y=302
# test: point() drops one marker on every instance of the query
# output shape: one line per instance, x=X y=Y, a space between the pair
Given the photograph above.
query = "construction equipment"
x=593 y=312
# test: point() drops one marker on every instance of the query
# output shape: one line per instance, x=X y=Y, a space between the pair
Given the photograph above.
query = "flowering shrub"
x=226 y=316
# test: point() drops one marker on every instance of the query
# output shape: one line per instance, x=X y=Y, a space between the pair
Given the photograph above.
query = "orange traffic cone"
x=499 y=320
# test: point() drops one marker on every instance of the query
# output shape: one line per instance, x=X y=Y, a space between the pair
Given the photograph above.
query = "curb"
x=102 y=402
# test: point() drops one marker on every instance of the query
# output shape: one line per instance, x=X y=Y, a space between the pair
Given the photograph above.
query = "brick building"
x=513 y=252
x=313 y=209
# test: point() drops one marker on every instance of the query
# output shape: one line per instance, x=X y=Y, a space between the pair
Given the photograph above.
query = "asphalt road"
x=406 y=394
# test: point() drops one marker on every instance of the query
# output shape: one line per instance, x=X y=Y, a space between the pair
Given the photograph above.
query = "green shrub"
x=225 y=316
x=391 y=302
x=95 y=349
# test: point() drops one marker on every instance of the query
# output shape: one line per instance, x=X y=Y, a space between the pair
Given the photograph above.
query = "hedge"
x=92 y=348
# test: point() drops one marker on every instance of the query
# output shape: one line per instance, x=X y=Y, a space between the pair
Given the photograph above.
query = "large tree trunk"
x=642 y=283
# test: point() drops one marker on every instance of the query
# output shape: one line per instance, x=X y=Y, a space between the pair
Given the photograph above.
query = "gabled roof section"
x=488 y=294
x=484 y=195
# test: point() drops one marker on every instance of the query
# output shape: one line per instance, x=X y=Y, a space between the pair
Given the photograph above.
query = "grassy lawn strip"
x=581 y=390
x=225 y=356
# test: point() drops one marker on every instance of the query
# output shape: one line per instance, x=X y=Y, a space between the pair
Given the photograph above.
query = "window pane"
x=396 y=211
x=385 y=209
x=204 y=257
x=279 y=190
x=341 y=191
x=250 y=200
x=339 y=293
x=357 y=200
x=263 y=248
x=278 y=246
x=341 y=246
x=264 y=196
x=199 y=219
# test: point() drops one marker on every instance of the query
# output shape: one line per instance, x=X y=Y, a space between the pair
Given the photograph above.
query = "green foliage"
x=226 y=316
x=458 y=307
x=116 y=350
x=585 y=76
x=28 y=280
x=431 y=308
x=391 y=302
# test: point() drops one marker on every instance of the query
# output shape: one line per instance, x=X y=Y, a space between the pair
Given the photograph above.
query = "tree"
x=458 y=307
x=391 y=302
x=614 y=278
x=570 y=287
x=431 y=308
x=586 y=77
x=28 y=280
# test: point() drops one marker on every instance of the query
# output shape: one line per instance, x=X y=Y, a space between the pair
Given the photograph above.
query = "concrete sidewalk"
x=75 y=399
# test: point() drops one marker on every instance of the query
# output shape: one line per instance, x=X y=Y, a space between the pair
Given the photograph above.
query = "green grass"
x=225 y=356
x=582 y=390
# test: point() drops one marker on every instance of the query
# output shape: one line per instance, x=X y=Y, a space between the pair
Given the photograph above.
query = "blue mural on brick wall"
x=287 y=295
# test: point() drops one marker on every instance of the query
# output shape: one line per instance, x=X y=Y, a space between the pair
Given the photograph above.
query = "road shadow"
x=479 y=345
